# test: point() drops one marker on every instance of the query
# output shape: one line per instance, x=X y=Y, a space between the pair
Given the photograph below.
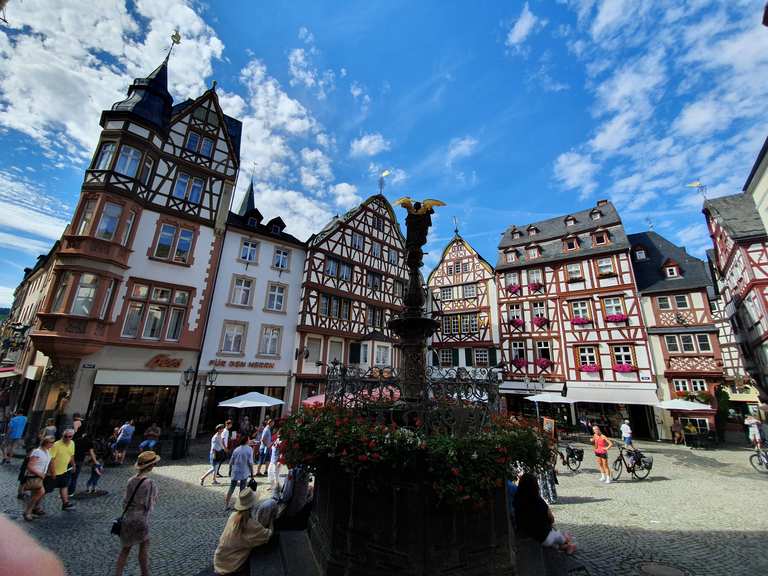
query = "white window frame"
x=613 y=305
x=640 y=254
x=574 y=271
x=358 y=241
x=517 y=349
x=382 y=355
x=605 y=266
x=469 y=290
x=276 y=292
x=671 y=272
x=704 y=338
x=663 y=303
x=698 y=385
x=681 y=385
x=242 y=289
x=281 y=252
x=535 y=275
x=270 y=340
x=671 y=338
x=684 y=298
x=233 y=330
x=482 y=358
x=543 y=346
x=102 y=228
x=587 y=355
x=539 y=309
x=376 y=249
x=446 y=357
x=446 y=293
x=581 y=309
x=128 y=161
x=683 y=339
x=514 y=311
x=622 y=354
x=249 y=247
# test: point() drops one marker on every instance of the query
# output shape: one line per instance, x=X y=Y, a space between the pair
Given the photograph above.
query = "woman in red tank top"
x=602 y=444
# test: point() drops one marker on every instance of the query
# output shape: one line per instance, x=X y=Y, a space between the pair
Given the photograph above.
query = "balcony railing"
x=95 y=248
x=69 y=336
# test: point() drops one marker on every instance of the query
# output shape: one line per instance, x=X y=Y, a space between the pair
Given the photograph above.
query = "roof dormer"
x=276 y=225
x=595 y=214
x=532 y=251
x=532 y=230
x=570 y=221
x=639 y=252
x=570 y=243
x=671 y=269
x=510 y=256
x=600 y=237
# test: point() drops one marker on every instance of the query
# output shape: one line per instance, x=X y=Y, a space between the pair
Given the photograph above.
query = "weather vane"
x=650 y=223
x=175 y=39
x=456 y=225
x=700 y=188
x=381 y=181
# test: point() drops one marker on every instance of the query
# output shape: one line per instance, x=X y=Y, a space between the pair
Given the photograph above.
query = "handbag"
x=219 y=455
x=252 y=484
x=117 y=523
x=33 y=483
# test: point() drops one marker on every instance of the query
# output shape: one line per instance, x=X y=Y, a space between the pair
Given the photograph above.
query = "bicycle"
x=638 y=464
x=572 y=457
x=759 y=460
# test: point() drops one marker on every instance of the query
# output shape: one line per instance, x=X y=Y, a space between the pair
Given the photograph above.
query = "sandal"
x=29 y=517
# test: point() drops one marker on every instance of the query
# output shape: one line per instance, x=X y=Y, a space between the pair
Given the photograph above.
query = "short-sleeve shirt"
x=626 y=430
x=126 y=433
x=241 y=462
x=266 y=436
x=61 y=454
x=275 y=453
x=43 y=460
x=16 y=427
x=217 y=443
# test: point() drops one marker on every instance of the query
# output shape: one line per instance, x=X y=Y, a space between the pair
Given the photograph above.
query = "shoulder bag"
x=117 y=524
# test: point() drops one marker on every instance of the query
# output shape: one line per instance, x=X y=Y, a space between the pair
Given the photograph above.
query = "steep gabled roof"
x=659 y=252
x=149 y=99
x=457 y=238
x=352 y=213
x=737 y=214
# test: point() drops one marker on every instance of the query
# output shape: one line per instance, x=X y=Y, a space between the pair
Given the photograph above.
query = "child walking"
x=97 y=470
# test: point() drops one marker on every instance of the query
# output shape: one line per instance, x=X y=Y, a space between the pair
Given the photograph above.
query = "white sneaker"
x=608 y=480
x=602 y=477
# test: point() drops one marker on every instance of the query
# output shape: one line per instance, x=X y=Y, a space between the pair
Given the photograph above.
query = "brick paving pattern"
x=701 y=512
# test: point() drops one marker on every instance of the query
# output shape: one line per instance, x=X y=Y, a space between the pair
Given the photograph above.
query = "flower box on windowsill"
x=624 y=368
x=535 y=286
x=606 y=274
x=576 y=279
x=540 y=321
x=519 y=363
x=589 y=368
x=616 y=318
x=543 y=363
x=581 y=321
x=517 y=322
x=513 y=288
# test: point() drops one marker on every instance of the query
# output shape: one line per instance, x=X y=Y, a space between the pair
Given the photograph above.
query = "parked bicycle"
x=572 y=458
x=759 y=460
x=635 y=462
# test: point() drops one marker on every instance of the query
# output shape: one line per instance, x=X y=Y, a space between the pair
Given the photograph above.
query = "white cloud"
x=368 y=145
x=345 y=195
x=304 y=72
x=611 y=14
x=6 y=296
x=459 y=148
x=24 y=244
x=522 y=27
x=303 y=215
x=360 y=94
x=576 y=172
x=315 y=169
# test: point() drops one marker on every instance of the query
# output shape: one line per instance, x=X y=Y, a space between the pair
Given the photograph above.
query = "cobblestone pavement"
x=702 y=512
x=184 y=528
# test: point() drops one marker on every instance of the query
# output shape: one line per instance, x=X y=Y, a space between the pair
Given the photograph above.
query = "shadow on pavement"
x=579 y=499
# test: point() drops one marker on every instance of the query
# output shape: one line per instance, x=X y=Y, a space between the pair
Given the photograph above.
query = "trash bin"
x=179 y=449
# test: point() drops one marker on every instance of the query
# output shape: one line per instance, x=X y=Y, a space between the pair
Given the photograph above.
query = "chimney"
x=601 y=203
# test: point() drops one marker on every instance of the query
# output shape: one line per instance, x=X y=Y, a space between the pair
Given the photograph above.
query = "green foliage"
x=460 y=468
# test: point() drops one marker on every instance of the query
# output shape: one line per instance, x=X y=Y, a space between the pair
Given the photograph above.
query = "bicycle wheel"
x=758 y=463
x=640 y=472
x=617 y=466
x=573 y=464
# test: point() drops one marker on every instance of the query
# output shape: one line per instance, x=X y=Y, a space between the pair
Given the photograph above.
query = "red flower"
x=376 y=456
x=372 y=444
x=338 y=422
x=455 y=471
x=362 y=458
x=418 y=422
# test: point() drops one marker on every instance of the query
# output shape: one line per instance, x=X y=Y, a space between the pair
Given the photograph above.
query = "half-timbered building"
x=570 y=320
x=353 y=283
x=462 y=292
x=680 y=312
x=128 y=306
x=740 y=261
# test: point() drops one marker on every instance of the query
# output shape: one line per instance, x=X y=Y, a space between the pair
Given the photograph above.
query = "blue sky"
x=509 y=112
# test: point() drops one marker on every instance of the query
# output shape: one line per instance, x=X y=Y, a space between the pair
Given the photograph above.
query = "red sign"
x=163 y=361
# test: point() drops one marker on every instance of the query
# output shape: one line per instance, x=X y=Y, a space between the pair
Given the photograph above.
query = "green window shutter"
x=354 y=353
x=468 y=356
x=455 y=359
x=435 y=358
x=492 y=357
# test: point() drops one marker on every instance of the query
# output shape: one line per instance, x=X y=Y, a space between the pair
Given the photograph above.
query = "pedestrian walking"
x=140 y=499
x=241 y=535
x=602 y=444
x=242 y=468
x=626 y=433
x=265 y=444
x=274 y=462
x=124 y=437
x=50 y=429
x=97 y=471
x=753 y=429
x=77 y=421
x=83 y=449
x=63 y=465
x=37 y=469
x=15 y=437
x=216 y=455
x=22 y=477
x=151 y=437
x=229 y=438
x=677 y=431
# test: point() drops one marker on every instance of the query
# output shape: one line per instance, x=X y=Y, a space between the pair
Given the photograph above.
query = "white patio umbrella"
x=686 y=405
x=550 y=397
x=251 y=400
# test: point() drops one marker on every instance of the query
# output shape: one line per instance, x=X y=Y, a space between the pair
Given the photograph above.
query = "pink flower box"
x=519 y=362
x=517 y=322
x=540 y=321
x=543 y=363
x=616 y=318
x=623 y=368
x=513 y=288
x=589 y=368
x=535 y=286
x=580 y=320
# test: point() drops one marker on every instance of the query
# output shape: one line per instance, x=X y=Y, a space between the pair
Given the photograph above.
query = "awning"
x=550 y=398
x=518 y=387
x=679 y=404
x=136 y=378
x=645 y=396
x=8 y=374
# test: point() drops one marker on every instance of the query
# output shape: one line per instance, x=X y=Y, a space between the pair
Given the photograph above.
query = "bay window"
x=146 y=170
x=175 y=324
x=107 y=299
x=128 y=161
x=110 y=218
x=104 y=160
x=128 y=227
x=382 y=355
x=86 y=218
x=85 y=295
x=153 y=325
x=155 y=312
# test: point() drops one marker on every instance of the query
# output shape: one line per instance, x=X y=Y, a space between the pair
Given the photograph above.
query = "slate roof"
x=149 y=98
x=649 y=273
x=552 y=231
x=248 y=210
x=351 y=213
x=737 y=214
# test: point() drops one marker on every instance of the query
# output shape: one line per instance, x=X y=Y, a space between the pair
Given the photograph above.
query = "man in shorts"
x=264 y=448
x=124 y=437
x=15 y=435
x=63 y=464
x=626 y=433
x=753 y=429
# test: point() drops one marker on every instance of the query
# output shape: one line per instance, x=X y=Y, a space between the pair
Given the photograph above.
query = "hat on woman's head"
x=245 y=500
x=146 y=459
x=220 y=427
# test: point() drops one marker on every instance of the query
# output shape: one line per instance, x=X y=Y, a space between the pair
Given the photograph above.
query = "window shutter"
x=492 y=357
x=435 y=358
x=354 y=353
x=468 y=356
x=455 y=359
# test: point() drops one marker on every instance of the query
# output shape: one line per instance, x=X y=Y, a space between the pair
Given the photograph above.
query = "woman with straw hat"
x=140 y=500
x=241 y=535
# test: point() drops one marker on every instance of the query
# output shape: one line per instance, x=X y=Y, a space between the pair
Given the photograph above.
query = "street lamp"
x=189 y=375
x=212 y=375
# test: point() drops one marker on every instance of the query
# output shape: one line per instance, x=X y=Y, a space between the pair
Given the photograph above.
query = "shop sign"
x=240 y=364
x=163 y=361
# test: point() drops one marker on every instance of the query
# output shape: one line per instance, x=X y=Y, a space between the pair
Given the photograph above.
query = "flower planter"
x=589 y=368
x=616 y=318
x=623 y=368
x=535 y=286
x=513 y=288
x=519 y=362
x=543 y=363
x=540 y=321
x=517 y=322
x=580 y=321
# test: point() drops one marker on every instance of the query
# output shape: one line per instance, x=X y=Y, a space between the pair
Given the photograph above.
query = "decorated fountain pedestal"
x=410 y=464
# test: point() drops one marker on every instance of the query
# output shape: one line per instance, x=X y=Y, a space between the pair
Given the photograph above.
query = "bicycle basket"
x=577 y=453
x=647 y=461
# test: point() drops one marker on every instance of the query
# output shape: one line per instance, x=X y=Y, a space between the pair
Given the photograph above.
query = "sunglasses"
x=69 y=437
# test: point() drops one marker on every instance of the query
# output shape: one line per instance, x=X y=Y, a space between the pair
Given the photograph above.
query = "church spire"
x=248 y=204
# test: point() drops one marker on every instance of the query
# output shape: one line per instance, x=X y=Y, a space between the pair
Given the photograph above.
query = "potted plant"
x=624 y=368
x=540 y=321
x=513 y=288
x=535 y=286
x=616 y=318
x=589 y=368
x=543 y=363
x=519 y=363
x=581 y=320
x=704 y=397
x=517 y=322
